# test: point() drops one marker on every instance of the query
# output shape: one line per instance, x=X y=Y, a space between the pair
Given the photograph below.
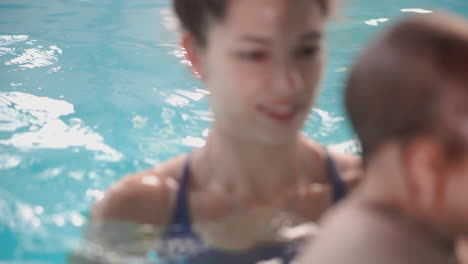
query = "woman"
x=262 y=62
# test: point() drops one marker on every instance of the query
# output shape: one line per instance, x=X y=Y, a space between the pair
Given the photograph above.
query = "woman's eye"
x=254 y=55
x=306 y=52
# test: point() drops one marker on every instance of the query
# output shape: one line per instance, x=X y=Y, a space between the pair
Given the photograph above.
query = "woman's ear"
x=424 y=169
x=192 y=50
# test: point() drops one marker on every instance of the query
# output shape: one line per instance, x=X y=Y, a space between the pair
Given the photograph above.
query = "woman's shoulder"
x=350 y=167
x=145 y=197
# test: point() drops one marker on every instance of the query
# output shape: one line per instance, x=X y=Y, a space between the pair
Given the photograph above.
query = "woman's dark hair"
x=195 y=15
x=401 y=84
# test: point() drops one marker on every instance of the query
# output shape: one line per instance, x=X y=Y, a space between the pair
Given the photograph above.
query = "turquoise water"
x=91 y=90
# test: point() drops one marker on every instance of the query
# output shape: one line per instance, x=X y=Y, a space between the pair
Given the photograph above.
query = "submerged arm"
x=129 y=221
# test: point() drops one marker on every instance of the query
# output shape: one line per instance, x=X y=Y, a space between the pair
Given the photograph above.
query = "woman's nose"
x=287 y=80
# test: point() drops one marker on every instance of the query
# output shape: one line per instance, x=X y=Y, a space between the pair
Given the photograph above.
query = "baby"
x=407 y=100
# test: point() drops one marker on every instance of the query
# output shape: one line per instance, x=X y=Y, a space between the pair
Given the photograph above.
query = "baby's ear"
x=424 y=166
x=192 y=52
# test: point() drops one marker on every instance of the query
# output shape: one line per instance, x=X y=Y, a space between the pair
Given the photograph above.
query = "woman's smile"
x=280 y=113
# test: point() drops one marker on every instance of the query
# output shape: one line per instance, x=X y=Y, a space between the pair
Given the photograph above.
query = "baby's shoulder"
x=353 y=234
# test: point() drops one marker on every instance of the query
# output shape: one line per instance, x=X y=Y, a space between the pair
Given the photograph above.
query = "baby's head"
x=410 y=89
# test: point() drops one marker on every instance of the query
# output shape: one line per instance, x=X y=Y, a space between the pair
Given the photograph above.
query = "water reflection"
x=42 y=117
x=8 y=161
x=28 y=58
x=194 y=142
x=32 y=58
x=376 y=22
x=416 y=10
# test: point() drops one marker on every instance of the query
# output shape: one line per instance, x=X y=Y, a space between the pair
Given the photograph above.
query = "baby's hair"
x=404 y=82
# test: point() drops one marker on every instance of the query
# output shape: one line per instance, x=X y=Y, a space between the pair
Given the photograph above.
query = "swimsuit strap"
x=180 y=243
x=338 y=185
x=181 y=216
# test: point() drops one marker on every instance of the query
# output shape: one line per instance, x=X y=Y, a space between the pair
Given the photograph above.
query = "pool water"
x=91 y=90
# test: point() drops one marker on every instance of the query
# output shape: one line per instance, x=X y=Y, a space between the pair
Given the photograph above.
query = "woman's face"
x=262 y=65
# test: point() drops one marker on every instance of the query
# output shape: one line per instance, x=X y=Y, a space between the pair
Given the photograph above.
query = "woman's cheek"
x=313 y=74
x=252 y=79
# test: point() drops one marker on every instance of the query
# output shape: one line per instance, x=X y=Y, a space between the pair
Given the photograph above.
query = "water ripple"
x=46 y=130
x=376 y=22
x=27 y=58
x=33 y=58
x=416 y=10
x=7 y=40
x=8 y=161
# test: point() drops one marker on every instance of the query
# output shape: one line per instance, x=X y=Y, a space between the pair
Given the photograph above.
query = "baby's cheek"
x=462 y=250
x=457 y=202
x=312 y=76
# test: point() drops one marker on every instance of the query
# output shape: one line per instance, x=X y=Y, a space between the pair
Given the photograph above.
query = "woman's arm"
x=129 y=221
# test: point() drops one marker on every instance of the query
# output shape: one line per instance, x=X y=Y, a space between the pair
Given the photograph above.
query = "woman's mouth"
x=282 y=114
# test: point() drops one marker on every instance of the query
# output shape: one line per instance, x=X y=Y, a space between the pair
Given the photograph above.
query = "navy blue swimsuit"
x=181 y=245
